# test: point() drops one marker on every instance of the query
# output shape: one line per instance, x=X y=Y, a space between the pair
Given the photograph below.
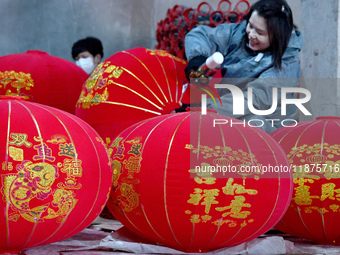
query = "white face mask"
x=86 y=64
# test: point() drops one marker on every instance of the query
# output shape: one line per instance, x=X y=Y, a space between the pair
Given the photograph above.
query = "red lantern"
x=55 y=175
x=181 y=182
x=313 y=148
x=131 y=86
x=42 y=79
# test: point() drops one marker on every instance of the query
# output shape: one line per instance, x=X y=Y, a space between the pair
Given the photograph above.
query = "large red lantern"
x=313 y=148
x=55 y=175
x=181 y=182
x=131 y=86
x=42 y=79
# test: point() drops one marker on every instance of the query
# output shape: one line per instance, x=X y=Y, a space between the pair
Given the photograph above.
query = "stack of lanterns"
x=181 y=180
x=180 y=20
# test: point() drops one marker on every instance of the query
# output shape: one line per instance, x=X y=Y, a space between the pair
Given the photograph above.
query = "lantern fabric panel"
x=313 y=149
x=43 y=79
x=131 y=86
x=55 y=176
x=158 y=195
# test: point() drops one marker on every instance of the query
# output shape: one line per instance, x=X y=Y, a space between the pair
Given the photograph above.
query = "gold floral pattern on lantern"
x=13 y=82
x=97 y=82
x=226 y=157
x=129 y=198
x=90 y=100
x=163 y=53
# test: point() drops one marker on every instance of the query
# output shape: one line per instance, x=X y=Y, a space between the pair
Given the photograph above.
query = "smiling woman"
x=260 y=53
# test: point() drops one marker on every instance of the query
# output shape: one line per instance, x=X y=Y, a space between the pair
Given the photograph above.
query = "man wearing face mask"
x=87 y=53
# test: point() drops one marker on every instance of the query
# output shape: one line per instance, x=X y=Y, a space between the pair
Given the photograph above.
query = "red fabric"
x=314 y=211
x=155 y=195
x=44 y=79
x=131 y=86
x=55 y=175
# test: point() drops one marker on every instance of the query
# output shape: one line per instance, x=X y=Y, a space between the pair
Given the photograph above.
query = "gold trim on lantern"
x=147 y=69
x=32 y=231
x=135 y=92
x=141 y=153
x=303 y=223
x=161 y=53
x=165 y=173
x=131 y=222
x=147 y=220
x=150 y=90
x=132 y=106
x=239 y=230
x=300 y=135
x=167 y=80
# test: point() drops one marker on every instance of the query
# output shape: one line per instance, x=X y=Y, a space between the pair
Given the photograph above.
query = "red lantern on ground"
x=181 y=182
x=313 y=148
x=42 y=79
x=55 y=175
x=131 y=86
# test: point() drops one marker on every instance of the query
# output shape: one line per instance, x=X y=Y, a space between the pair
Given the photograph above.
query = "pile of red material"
x=180 y=20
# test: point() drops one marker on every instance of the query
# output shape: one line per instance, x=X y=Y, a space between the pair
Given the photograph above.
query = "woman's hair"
x=280 y=25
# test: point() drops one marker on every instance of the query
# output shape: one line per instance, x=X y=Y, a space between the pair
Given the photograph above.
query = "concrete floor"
x=108 y=236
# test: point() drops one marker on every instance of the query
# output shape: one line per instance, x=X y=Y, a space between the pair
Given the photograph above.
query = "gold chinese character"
x=208 y=195
x=44 y=152
x=72 y=168
x=235 y=207
x=302 y=195
x=19 y=140
x=329 y=191
x=7 y=166
x=232 y=189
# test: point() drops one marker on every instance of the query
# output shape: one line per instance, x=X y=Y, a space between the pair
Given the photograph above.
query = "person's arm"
x=205 y=40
